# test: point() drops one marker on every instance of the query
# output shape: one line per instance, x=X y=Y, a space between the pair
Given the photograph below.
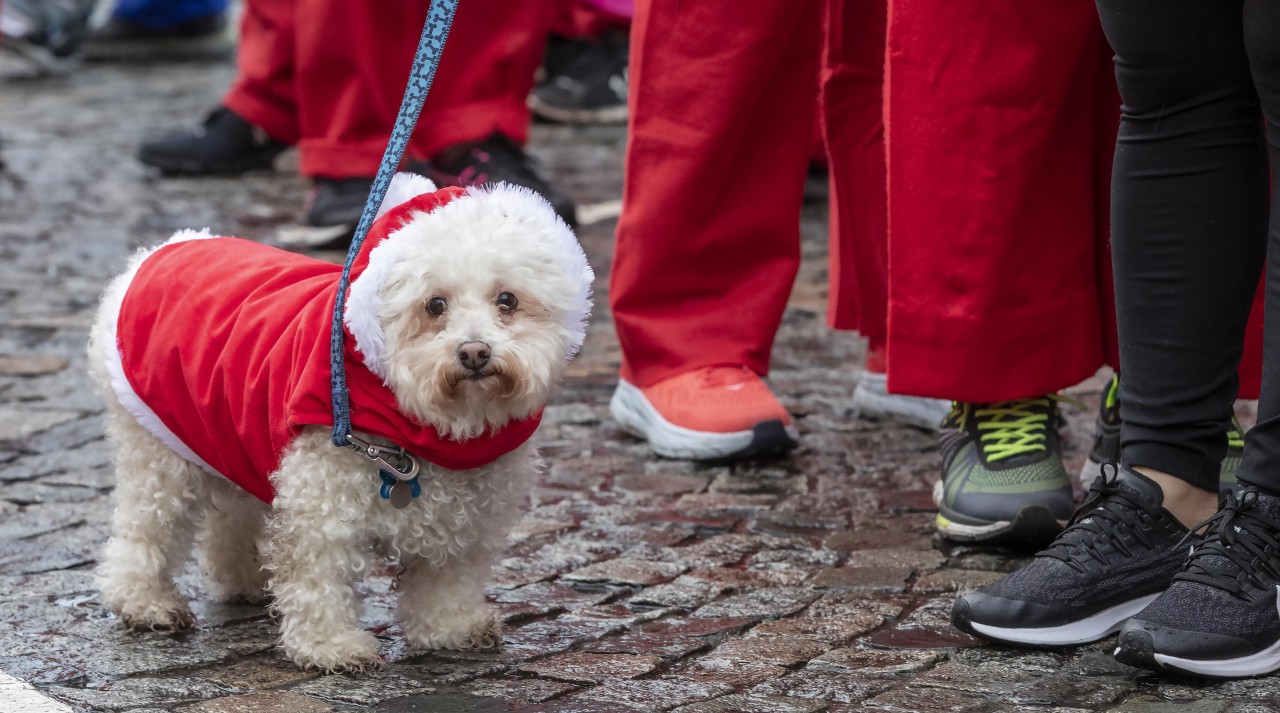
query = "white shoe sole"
x=1092 y=628
x=1263 y=662
x=1031 y=524
x=871 y=399
x=636 y=415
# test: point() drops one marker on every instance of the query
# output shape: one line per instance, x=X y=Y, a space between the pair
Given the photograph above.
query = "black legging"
x=1189 y=227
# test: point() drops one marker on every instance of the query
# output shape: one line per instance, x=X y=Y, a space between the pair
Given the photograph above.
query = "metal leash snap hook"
x=407 y=469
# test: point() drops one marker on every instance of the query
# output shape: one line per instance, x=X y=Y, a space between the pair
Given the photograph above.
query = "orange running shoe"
x=712 y=412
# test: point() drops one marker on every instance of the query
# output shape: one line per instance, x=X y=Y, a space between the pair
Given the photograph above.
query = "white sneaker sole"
x=1092 y=628
x=1263 y=662
x=1032 y=524
x=871 y=399
x=637 y=416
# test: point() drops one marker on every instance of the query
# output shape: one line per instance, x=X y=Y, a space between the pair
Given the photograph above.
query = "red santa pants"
x=328 y=76
x=1000 y=139
x=1001 y=142
x=722 y=113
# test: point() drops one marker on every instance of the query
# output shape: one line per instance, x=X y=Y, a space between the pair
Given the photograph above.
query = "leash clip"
x=405 y=467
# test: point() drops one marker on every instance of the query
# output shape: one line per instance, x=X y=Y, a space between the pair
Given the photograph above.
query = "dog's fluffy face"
x=481 y=311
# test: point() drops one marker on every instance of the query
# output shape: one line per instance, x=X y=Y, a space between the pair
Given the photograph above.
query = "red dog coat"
x=224 y=355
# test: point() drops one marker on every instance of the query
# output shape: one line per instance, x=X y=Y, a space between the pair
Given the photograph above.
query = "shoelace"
x=1018 y=427
x=1235 y=436
x=1245 y=537
x=1108 y=512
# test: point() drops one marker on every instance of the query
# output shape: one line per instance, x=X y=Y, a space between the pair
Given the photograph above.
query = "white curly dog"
x=466 y=313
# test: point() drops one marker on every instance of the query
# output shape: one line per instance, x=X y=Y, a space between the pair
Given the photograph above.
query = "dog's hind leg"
x=229 y=536
x=444 y=607
x=158 y=498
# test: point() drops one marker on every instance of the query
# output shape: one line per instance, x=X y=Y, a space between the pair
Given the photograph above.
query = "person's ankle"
x=1191 y=505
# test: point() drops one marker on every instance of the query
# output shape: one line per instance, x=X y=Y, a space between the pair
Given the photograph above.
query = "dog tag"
x=401 y=494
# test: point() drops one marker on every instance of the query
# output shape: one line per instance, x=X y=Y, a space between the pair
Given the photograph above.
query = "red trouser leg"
x=996 y=200
x=853 y=124
x=721 y=107
x=353 y=63
x=264 y=93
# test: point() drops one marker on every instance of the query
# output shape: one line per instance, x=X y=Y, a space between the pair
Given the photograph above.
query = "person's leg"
x=354 y=63
x=353 y=67
x=722 y=97
x=992 y=200
x=1219 y=616
x=852 y=113
x=265 y=90
x=1188 y=216
x=258 y=118
x=1188 y=222
x=993 y=246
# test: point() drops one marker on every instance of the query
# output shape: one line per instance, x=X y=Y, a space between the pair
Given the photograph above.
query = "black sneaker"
x=333 y=211
x=225 y=144
x=1119 y=553
x=47 y=32
x=1106 y=442
x=494 y=159
x=123 y=41
x=592 y=89
x=1219 y=618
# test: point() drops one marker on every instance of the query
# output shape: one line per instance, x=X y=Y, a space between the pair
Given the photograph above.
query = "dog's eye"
x=436 y=306
x=507 y=302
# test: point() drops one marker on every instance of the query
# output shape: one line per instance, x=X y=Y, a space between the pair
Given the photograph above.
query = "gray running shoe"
x=1002 y=473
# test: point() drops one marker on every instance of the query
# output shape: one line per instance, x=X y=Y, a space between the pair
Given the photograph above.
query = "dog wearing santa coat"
x=213 y=357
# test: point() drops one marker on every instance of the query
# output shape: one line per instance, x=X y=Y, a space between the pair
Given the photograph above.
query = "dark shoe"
x=494 y=160
x=47 y=32
x=1219 y=618
x=1120 y=552
x=592 y=89
x=1106 y=442
x=561 y=51
x=333 y=211
x=1002 y=473
x=123 y=41
x=224 y=144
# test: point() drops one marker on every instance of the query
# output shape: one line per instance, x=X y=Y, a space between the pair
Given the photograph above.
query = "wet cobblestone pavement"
x=809 y=584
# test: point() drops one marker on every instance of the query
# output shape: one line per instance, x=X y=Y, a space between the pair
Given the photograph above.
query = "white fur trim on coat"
x=404 y=187
x=113 y=301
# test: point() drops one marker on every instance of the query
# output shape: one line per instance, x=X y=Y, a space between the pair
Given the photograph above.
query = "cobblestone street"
x=633 y=583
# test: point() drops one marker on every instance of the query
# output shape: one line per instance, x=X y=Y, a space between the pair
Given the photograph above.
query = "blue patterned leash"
x=425 y=62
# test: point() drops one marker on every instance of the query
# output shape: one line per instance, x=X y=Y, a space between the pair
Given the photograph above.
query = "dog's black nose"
x=474 y=355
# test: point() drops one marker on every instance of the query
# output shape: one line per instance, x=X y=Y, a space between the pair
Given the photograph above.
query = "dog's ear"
x=404 y=187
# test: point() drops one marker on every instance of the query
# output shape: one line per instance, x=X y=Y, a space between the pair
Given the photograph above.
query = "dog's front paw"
x=479 y=631
x=354 y=652
x=158 y=614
